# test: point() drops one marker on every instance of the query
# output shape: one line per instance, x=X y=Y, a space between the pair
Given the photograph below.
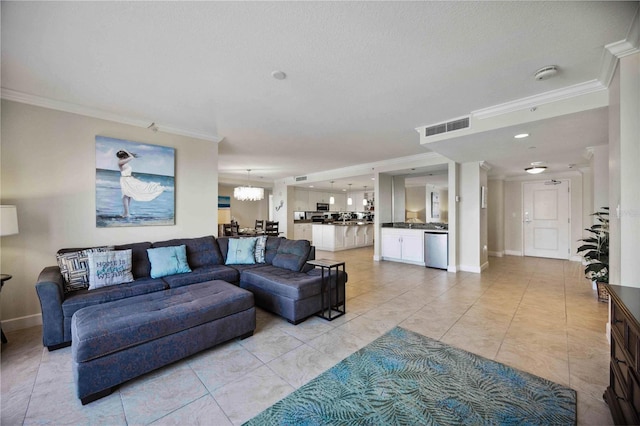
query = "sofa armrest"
x=312 y=256
x=50 y=289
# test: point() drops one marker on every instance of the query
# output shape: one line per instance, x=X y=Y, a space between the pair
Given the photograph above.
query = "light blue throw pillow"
x=168 y=261
x=241 y=251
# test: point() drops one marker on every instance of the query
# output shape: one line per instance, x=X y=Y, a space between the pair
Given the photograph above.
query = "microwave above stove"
x=322 y=207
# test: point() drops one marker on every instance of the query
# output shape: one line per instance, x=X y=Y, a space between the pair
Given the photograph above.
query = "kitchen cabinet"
x=301 y=201
x=302 y=231
x=340 y=204
x=316 y=197
x=403 y=245
x=325 y=237
x=341 y=237
x=623 y=393
x=356 y=206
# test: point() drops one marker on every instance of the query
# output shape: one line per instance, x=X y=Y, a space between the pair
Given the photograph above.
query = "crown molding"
x=537 y=100
x=13 y=95
x=614 y=51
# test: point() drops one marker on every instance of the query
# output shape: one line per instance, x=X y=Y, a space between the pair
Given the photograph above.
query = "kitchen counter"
x=346 y=223
x=338 y=236
x=431 y=227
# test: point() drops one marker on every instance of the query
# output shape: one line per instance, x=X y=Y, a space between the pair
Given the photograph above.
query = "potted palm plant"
x=595 y=252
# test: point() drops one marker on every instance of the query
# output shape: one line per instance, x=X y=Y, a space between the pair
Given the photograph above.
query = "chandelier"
x=248 y=193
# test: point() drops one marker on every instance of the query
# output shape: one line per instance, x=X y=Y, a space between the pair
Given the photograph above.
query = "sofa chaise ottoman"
x=118 y=341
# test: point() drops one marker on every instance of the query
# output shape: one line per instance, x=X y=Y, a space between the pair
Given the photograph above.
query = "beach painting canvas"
x=135 y=183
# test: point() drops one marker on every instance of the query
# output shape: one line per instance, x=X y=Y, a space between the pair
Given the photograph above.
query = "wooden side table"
x=3 y=278
x=329 y=307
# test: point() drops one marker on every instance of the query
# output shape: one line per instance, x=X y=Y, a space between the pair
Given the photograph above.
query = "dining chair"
x=231 y=229
x=259 y=225
x=271 y=228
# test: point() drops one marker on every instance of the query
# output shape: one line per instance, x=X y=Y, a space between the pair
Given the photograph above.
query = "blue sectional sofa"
x=283 y=284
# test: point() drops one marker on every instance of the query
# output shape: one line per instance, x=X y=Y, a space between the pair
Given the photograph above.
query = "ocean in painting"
x=160 y=211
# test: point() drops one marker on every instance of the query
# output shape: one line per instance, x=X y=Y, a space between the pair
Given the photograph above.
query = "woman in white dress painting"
x=132 y=187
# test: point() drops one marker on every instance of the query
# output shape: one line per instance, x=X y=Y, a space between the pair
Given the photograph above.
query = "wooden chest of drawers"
x=623 y=393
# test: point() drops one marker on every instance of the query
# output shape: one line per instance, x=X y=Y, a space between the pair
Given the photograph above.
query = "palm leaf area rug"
x=404 y=378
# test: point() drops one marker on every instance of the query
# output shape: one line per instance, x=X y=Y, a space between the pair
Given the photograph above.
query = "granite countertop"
x=438 y=227
x=347 y=223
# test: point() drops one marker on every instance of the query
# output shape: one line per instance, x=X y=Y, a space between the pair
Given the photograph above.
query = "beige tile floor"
x=538 y=315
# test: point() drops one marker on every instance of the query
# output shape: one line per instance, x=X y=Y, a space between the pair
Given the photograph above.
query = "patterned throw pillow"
x=261 y=247
x=168 y=260
x=109 y=268
x=74 y=267
x=241 y=251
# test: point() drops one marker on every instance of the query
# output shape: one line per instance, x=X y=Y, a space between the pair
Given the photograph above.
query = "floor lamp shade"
x=8 y=220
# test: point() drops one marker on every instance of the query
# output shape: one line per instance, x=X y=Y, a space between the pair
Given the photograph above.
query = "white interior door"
x=546 y=219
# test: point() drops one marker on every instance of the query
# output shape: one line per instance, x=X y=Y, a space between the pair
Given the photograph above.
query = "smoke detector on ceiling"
x=546 y=72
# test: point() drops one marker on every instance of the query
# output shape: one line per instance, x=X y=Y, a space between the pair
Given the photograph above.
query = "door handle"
x=526 y=217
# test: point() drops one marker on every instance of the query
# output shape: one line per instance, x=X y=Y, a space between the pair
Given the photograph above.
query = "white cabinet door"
x=391 y=244
x=316 y=235
x=316 y=197
x=306 y=232
x=301 y=203
x=302 y=231
x=340 y=204
x=413 y=246
x=357 y=201
x=329 y=236
x=403 y=244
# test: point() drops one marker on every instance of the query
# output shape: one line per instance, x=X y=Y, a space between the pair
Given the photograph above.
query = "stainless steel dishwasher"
x=436 y=250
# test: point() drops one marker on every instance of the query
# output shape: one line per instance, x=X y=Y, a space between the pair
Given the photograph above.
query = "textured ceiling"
x=361 y=76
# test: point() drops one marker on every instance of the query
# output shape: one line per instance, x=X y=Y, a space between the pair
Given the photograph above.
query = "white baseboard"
x=513 y=253
x=496 y=253
x=452 y=268
x=484 y=266
x=474 y=269
x=22 y=322
x=576 y=258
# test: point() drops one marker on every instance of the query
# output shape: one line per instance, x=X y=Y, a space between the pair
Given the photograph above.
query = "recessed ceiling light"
x=521 y=135
x=278 y=75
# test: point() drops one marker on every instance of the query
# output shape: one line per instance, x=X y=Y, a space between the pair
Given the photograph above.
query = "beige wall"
x=48 y=171
x=624 y=173
x=471 y=218
x=495 y=217
x=246 y=212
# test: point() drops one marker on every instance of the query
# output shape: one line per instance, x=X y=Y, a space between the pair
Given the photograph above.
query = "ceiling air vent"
x=449 y=126
x=301 y=178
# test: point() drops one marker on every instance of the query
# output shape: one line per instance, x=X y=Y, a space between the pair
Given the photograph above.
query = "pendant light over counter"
x=248 y=193
x=332 y=199
x=349 y=199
